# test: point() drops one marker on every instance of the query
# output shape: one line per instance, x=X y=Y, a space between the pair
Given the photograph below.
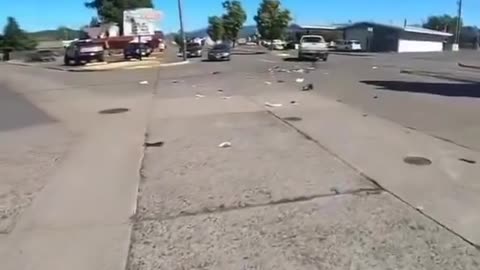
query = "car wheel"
x=66 y=61
x=101 y=58
x=325 y=59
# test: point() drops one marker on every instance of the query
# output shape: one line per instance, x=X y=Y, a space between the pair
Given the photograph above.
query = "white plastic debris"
x=143 y=82
x=419 y=208
x=225 y=145
x=226 y=97
x=300 y=80
x=268 y=83
x=298 y=70
x=199 y=96
x=273 y=105
x=374 y=67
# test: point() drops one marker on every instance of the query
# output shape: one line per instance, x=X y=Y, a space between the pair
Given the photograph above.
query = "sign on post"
x=140 y=22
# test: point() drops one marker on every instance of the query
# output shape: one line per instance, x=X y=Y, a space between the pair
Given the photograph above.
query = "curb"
x=468 y=66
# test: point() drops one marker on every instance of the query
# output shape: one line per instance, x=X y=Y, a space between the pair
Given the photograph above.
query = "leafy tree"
x=272 y=20
x=15 y=38
x=444 y=23
x=112 y=10
x=94 y=22
x=233 y=19
x=215 y=29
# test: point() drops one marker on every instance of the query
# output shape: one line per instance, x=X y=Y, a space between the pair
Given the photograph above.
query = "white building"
x=377 y=37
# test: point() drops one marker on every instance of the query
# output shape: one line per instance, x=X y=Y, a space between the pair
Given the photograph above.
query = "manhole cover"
x=418 y=161
x=292 y=119
x=114 y=110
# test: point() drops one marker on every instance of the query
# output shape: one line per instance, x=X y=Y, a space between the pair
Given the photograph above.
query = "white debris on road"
x=143 y=82
x=268 y=83
x=225 y=145
x=199 y=96
x=300 y=80
x=273 y=105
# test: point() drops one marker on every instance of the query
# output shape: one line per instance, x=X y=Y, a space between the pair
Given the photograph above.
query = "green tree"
x=444 y=23
x=15 y=38
x=233 y=19
x=215 y=28
x=94 y=22
x=112 y=10
x=272 y=20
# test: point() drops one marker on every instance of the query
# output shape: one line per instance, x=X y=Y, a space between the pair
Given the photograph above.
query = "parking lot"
x=261 y=162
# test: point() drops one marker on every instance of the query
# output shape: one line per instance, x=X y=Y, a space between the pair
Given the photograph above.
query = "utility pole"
x=459 y=21
x=182 y=31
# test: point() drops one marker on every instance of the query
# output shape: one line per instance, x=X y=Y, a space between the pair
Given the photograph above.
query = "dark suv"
x=137 y=50
x=84 y=51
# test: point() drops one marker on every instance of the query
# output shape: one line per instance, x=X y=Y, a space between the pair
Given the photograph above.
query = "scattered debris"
x=273 y=105
x=280 y=81
x=375 y=97
x=335 y=190
x=419 y=208
x=155 y=144
x=469 y=161
x=143 y=82
x=216 y=72
x=298 y=70
x=199 y=96
x=311 y=68
x=220 y=90
x=365 y=115
x=292 y=118
x=175 y=81
x=293 y=102
x=226 y=97
x=417 y=161
x=339 y=101
x=374 y=67
x=300 y=80
x=268 y=83
x=114 y=111
x=308 y=87
x=225 y=145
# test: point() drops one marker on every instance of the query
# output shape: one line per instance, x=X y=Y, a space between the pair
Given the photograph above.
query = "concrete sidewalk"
x=274 y=200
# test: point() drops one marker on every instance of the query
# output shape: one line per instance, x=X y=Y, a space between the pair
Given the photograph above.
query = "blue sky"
x=49 y=14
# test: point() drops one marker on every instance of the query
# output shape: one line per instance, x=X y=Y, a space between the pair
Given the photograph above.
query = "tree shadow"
x=442 y=89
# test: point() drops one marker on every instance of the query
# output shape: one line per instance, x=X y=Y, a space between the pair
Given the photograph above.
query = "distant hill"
x=58 y=34
x=244 y=32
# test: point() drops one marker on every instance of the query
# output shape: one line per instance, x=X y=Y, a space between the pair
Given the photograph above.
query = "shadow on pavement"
x=442 y=89
x=17 y=112
x=247 y=53
x=296 y=59
x=352 y=54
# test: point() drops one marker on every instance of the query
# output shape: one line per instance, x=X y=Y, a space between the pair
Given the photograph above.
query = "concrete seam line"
x=299 y=199
x=375 y=182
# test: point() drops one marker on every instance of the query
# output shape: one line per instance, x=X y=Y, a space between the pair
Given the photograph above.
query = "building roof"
x=323 y=27
x=412 y=29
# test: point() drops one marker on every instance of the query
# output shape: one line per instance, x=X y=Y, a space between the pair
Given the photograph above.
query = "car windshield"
x=193 y=45
x=221 y=47
x=312 y=39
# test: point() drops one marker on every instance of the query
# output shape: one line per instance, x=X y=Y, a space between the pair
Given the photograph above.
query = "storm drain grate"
x=418 y=161
x=113 y=111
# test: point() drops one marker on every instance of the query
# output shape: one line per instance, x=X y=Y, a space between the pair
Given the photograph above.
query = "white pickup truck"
x=313 y=47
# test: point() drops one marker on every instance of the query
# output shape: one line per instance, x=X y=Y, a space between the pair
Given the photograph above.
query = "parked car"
x=313 y=47
x=348 y=45
x=194 y=50
x=137 y=50
x=278 y=44
x=220 y=52
x=83 y=51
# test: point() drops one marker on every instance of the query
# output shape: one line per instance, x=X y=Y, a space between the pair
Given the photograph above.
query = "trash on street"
x=273 y=105
x=143 y=82
x=308 y=87
x=300 y=80
x=225 y=145
x=199 y=96
x=268 y=83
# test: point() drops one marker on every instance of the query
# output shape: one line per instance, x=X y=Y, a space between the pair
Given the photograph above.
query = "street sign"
x=141 y=21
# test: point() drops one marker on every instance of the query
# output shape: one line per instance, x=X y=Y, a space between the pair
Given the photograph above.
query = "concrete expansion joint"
x=245 y=206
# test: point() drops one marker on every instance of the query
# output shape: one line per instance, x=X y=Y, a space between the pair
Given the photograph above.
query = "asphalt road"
x=284 y=196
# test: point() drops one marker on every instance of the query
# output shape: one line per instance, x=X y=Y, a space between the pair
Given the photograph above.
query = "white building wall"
x=419 y=46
